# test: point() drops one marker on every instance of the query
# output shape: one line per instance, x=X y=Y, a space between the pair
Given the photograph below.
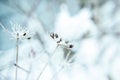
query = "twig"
x=21 y=68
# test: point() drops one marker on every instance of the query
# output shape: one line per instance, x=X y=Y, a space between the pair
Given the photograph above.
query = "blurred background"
x=92 y=26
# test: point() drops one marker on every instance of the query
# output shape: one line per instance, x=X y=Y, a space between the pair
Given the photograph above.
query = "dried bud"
x=70 y=46
x=59 y=40
x=56 y=35
x=24 y=34
x=52 y=35
x=15 y=64
x=29 y=38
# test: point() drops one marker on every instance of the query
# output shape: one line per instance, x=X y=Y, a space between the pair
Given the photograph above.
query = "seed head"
x=60 y=41
x=24 y=32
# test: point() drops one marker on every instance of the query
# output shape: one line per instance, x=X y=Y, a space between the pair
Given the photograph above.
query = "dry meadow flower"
x=24 y=32
x=17 y=29
x=19 y=33
x=60 y=41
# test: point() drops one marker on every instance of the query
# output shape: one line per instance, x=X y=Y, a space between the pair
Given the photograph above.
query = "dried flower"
x=52 y=35
x=60 y=41
x=55 y=37
x=24 y=32
x=19 y=31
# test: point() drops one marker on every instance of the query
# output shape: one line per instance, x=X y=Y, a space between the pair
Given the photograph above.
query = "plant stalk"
x=47 y=63
x=17 y=50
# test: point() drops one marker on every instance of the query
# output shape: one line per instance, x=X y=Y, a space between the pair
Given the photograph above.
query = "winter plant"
x=20 y=33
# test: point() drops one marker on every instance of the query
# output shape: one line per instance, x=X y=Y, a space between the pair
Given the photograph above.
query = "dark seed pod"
x=29 y=38
x=24 y=34
x=15 y=64
x=70 y=46
x=52 y=35
x=59 y=40
x=56 y=35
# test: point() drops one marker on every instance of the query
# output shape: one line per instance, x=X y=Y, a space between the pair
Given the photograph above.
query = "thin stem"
x=17 y=48
x=4 y=28
x=57 y=72
x=21 y=68
x=47 y=63
x=67 y=61
x=71 y=59
x=67 y=56
x=27 y=78
x=42 y=71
